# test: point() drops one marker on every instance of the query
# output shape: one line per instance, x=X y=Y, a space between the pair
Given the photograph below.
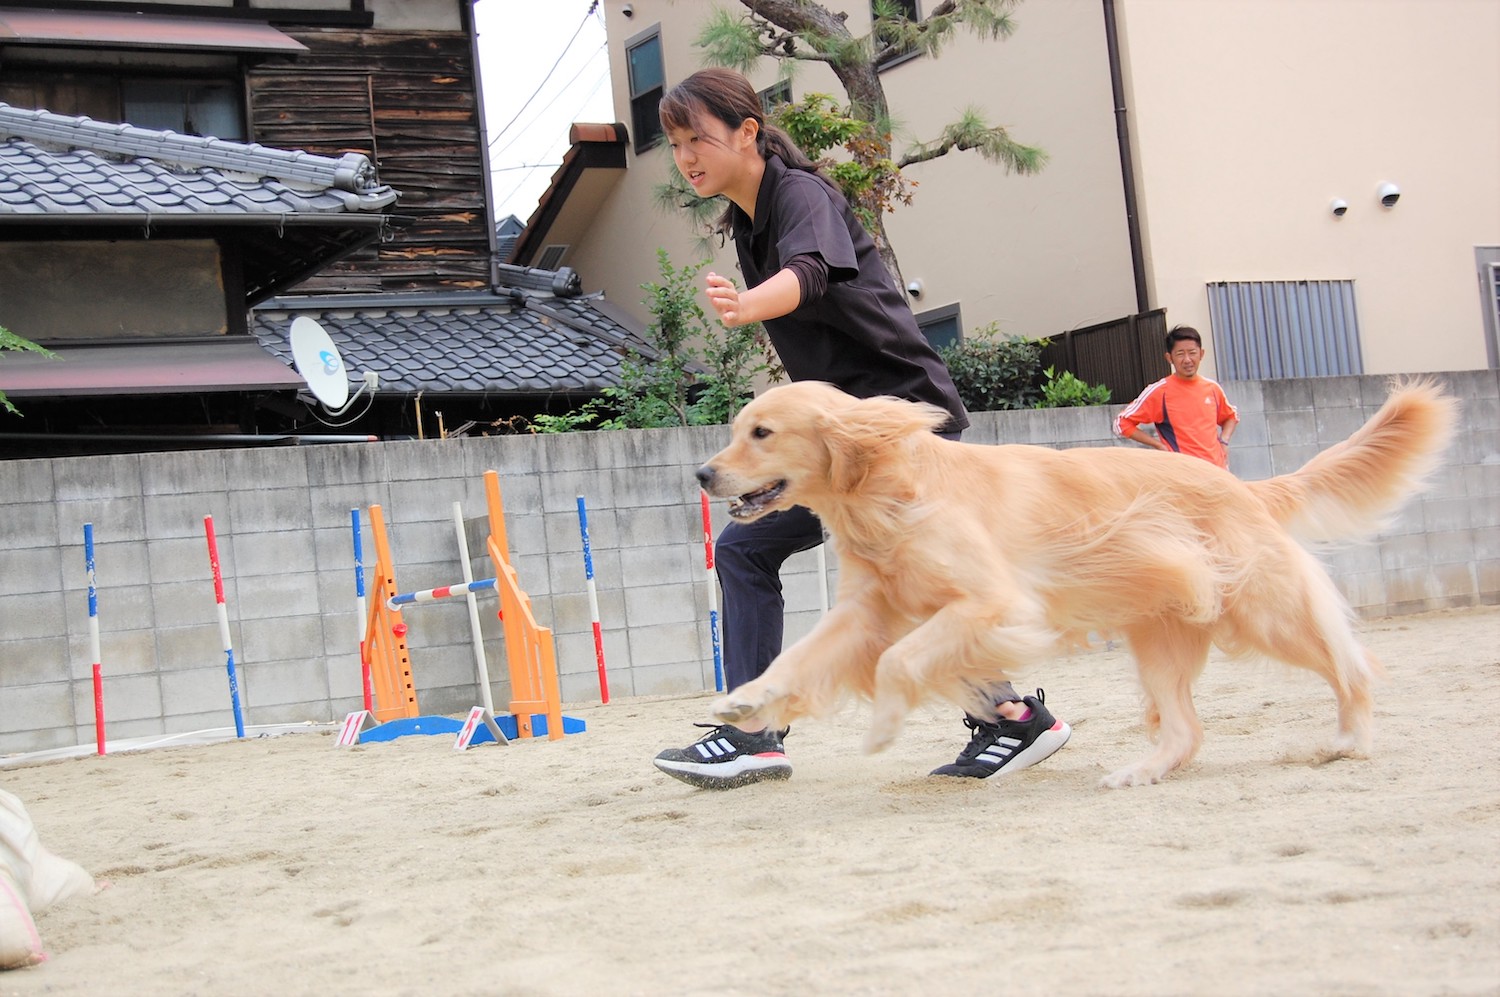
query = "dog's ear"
x=848 y=456
x=856 y=433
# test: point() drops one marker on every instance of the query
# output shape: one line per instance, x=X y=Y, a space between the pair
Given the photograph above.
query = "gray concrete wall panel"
x=286 y=550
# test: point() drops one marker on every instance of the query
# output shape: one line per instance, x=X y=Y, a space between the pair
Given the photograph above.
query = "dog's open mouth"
x=752 y=504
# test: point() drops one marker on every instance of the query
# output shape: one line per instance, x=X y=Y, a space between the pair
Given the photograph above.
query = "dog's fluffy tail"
x=1353 y=488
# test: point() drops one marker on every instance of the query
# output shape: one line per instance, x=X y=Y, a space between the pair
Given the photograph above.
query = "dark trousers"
x=748 y=557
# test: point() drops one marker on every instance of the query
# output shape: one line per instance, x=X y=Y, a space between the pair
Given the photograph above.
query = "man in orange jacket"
x=1190 y=411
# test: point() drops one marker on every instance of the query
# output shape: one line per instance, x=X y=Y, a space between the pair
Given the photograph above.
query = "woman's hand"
x=725 y=298
x=777 y=296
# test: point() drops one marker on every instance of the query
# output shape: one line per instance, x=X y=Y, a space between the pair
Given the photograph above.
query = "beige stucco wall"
x=1247 y=118
x=618 y=251
x=1038 y=254
x=1250 y=116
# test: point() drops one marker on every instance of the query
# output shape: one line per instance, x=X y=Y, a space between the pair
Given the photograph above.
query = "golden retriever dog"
x=960 y=562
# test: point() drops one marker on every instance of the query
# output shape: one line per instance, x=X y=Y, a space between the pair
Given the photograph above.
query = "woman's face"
x=714 y=158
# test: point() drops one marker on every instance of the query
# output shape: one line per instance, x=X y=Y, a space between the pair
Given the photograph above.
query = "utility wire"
x=527 y=176
x=555 y=64
x=555 y=98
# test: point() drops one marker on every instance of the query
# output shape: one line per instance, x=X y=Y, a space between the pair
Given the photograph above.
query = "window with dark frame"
x=942 y=326
x=188 y=106
x=1488 y=260
x=779 y=92
x=907 y=10
x=647 y=85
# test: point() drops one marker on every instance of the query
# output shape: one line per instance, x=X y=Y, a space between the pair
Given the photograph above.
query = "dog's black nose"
x=705 y=475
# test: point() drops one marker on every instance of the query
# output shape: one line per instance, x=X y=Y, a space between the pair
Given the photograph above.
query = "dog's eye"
x=760 y=432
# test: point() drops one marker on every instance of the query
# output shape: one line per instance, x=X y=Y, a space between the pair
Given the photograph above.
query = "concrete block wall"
x=282 y=516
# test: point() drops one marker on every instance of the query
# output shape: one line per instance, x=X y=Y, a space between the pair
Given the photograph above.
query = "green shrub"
x=684 y=384
x=993 y=373
x=1065 y=389
x=10 y=341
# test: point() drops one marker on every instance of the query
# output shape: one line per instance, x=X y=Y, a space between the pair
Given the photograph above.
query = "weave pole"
x=823 y=576
x=234 y=683
x=713 y=594
x=365 y=684
x=588 y=572
x=481 y=667
x=88 y=561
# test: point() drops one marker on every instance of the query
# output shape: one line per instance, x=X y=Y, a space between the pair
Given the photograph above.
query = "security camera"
x=1338 y=207
x=1389 y=194
x=914 y=288
x=628 y=10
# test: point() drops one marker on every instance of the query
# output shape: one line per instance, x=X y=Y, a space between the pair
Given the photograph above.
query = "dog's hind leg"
x=1301 y=619
x=1169 y=655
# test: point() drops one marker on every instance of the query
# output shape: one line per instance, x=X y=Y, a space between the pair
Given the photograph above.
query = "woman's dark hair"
x=728 y=96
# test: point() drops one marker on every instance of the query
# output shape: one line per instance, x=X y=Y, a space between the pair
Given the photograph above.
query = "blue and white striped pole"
x=88 y=560
x=441 y=592
x=359 y=573
x=588 y=571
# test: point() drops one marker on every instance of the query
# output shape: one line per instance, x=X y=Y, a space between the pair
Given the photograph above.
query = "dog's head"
x=800 y=443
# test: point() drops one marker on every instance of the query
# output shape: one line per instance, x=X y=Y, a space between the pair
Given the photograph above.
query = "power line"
x=555 y=64
x=555 y=97
x=529 y=170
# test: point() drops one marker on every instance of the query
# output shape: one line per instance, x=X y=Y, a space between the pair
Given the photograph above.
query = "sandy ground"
x=287 y=866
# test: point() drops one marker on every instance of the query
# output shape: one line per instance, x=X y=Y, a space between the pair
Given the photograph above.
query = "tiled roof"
x=464 y=342
x=52 y=164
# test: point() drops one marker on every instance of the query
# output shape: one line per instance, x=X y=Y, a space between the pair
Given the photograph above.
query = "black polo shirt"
x=860 y=335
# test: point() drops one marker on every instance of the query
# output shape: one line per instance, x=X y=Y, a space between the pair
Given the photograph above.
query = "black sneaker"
x=1009 y=745
x=727 y=758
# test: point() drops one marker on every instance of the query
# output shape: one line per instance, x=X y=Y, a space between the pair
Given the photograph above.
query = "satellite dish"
x=319 y=363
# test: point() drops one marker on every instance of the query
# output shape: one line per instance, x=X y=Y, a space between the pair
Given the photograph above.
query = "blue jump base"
x=392 y=729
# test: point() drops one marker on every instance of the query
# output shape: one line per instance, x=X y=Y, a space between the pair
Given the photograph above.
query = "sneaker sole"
x=728 y=775
x=1044 y=747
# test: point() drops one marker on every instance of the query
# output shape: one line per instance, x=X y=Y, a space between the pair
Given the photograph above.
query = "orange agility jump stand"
x=529 y=649
x=390 y=693
x=384 y=654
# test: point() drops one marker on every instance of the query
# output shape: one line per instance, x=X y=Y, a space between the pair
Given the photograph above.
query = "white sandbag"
x=31 y=880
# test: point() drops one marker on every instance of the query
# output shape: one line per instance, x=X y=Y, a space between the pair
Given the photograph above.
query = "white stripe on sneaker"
x=716 y=749
x=997 y=753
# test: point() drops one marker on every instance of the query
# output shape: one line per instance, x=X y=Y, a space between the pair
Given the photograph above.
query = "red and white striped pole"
x=234 y=684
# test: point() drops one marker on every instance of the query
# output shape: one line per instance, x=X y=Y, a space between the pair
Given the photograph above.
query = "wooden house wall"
x=406 y=99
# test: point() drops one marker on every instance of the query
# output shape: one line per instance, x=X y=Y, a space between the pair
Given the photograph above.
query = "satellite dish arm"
x=370 y=383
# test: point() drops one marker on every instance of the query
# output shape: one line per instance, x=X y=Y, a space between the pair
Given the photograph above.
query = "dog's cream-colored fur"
x=959 y=562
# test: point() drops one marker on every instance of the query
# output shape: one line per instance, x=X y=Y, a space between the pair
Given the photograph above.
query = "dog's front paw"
x=882 y=733
x=1342 y=747
x=1133 y=775
x=876 y=741
x=738 y=706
